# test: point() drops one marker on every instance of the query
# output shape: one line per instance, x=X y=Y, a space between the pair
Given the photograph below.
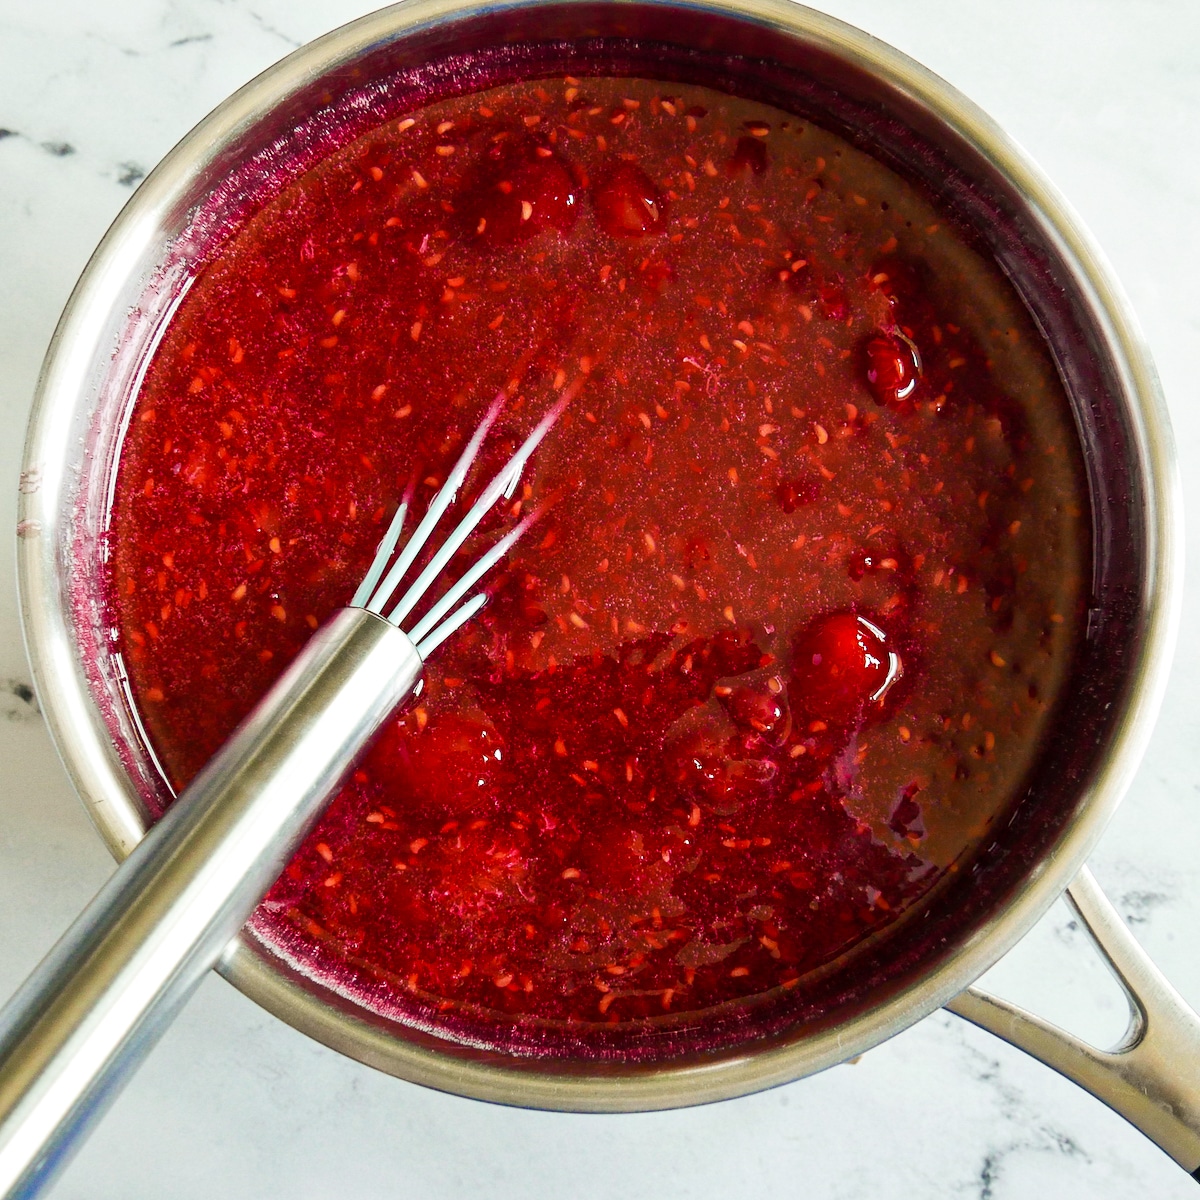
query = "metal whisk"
x=98 y=1002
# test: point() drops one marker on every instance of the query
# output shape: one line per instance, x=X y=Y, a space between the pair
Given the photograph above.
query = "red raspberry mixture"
x=787 y=639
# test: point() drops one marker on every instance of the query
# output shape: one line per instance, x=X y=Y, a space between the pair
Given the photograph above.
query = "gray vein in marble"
x=1023 y=1125
x=270 y=28
x=1140 y=895
x=18 y=701
x=56 y=149
x=129 y=174
x=1139 y=907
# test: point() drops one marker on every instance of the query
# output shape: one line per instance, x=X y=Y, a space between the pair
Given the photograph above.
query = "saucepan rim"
x=95 y=767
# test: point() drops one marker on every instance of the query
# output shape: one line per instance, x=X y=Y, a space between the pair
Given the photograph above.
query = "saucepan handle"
x=1152 y=1076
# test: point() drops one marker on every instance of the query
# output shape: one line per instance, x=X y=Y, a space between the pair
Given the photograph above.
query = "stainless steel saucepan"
x=876 y=97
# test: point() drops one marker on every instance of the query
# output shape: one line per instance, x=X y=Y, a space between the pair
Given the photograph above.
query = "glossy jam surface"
x=783 y=645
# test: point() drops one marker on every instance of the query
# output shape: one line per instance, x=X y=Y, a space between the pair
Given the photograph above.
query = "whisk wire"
x=387 y=548
x=437 y=507
x=443 y=618
x=427 y=645
x=482 y=565
x=504 y=484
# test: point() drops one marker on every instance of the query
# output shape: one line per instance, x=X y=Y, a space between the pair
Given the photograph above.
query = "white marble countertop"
x=1106 y=96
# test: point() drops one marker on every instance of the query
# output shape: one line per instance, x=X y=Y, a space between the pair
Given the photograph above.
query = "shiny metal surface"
x=99 y=1000
x=1152 y=1075
x=57 y=454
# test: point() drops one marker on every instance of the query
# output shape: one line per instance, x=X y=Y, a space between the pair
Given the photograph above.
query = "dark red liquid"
x=783 y=647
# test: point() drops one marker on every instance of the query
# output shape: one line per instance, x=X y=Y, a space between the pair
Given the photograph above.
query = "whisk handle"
x=95 y=1005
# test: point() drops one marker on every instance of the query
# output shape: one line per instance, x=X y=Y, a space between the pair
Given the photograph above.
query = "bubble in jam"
x=842 y=664
x=628 y=204
x=893 y=369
